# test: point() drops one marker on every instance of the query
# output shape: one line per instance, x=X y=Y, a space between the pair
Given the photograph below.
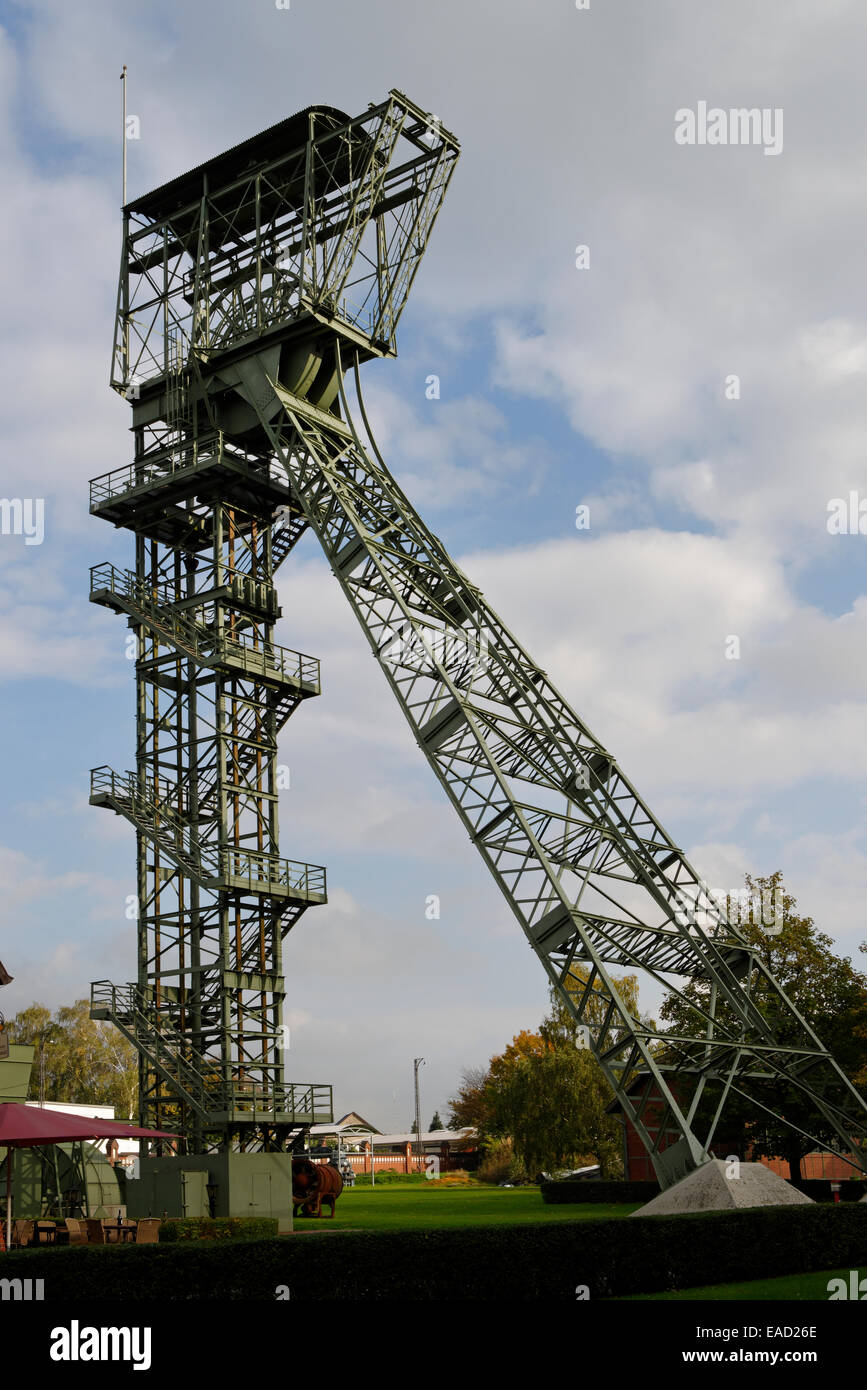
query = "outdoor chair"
x=95 y=1231
x=22 y=1233
x=148 y=1230
x=76 y=1231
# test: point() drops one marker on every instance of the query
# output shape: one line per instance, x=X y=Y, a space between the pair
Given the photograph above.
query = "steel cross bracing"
x=588 y=871
x=215 y=898
x=247 y=288
x=240 y=267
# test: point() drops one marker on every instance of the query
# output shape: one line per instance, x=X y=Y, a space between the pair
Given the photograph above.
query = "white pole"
x=9 y=1152
x=418 y=1062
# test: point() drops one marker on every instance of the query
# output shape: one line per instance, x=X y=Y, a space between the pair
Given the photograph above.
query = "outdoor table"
x=119 y=1232
x=46 y=1232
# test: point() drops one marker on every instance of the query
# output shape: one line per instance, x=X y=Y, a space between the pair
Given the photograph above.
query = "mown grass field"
x=791 y=1288
x=429 y=1207
x=396 y=1208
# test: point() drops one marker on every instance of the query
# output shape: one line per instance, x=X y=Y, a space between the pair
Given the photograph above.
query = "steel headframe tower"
x=248 y=289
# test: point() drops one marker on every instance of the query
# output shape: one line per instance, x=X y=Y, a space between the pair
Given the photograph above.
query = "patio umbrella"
x=28 y=1126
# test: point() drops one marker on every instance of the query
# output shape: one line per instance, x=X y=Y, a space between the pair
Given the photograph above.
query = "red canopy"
x=22 y=1126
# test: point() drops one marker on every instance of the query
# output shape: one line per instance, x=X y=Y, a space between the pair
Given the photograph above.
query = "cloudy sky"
x=609 y=386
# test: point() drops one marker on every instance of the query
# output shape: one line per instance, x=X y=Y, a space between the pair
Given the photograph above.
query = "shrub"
x=580 y=1190
x=501 y=1164
x=611 y=1256
x=217 y=1228
x=820 y=1189
x=388 y=1177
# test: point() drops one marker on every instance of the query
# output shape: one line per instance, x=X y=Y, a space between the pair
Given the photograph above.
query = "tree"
x=560 y=1028
x=545 y=1097
x=523 y=1046
x=436 y=1122
x=78 y=1058
x=549 y=1094
x=553 y=1105
x=469 y=1108
x=828 y=992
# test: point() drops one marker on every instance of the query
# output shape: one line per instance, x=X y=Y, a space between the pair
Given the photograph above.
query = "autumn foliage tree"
x=545 y=1095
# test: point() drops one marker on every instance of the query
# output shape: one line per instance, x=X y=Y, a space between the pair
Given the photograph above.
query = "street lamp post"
x=418 y=1062
x=5 y=979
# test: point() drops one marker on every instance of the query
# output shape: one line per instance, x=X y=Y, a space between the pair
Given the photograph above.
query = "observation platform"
x=145 y=496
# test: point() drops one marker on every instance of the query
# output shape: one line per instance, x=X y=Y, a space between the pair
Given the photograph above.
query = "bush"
x=389 y=1177
x=594 y=1190
x=501 y=1164
x=611 y=1256
x=820 y=1189
x=579 y=1190
x=217 y=1228
x=451 y=1178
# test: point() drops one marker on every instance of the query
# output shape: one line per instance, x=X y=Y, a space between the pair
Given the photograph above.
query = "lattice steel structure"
x=250 y=289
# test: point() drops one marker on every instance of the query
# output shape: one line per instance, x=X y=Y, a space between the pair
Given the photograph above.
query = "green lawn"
x=791 y=1288
x=398 y=1208
x=402 y=1208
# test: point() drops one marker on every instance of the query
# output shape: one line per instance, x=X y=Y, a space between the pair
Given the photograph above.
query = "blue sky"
x=559 y=387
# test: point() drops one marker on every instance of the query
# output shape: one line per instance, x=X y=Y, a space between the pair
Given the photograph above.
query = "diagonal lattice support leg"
x=591 y=876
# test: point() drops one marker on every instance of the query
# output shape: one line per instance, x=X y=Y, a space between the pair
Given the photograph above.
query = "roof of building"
x=430 y=1136
x=350 y=1121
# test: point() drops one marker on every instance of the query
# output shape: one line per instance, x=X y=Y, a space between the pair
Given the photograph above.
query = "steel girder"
x=246 y=288
x=591 y=876
x=215 y=899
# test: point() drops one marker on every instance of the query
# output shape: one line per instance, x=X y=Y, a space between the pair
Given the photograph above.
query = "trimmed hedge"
x=572 y=1190
x=610 y=1256
x=820 y=1189
x=218 y=1228
x=556 y=1190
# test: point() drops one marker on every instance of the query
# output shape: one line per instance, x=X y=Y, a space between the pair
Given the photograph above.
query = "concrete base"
x=709 y=1189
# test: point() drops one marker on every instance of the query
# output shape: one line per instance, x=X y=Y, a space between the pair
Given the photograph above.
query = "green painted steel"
x=15 y=1071
x=215 y=1184
x=252 y=290
x=60 y=1180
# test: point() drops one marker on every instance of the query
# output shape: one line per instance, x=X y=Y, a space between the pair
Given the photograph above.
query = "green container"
x=249 y=1184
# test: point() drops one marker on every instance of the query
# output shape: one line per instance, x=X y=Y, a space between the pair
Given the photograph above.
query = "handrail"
x=195 y=1069
x=175 y=459
x=155 y=599
x=255 y=867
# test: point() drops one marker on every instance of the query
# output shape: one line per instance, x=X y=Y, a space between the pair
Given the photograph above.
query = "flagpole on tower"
x=123 y=130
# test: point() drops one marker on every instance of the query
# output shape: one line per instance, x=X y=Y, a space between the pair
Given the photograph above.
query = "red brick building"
x=637 y=1165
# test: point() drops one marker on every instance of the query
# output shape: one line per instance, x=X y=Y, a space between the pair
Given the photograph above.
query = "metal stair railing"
x=164 y=1047
x=265 y=660
x=192 y=1075
x=252 y=870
